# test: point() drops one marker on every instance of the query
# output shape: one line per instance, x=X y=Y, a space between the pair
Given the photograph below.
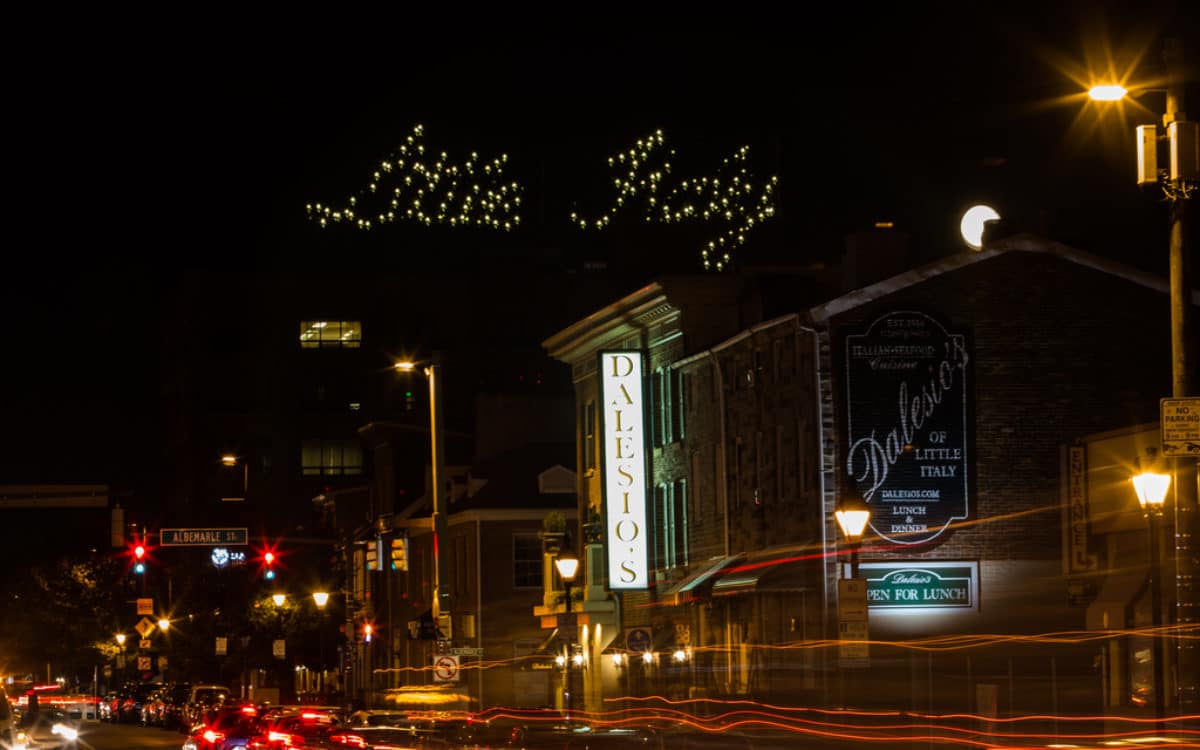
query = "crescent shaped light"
x=972 y=224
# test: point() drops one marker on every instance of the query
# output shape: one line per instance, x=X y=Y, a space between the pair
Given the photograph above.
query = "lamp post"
x=121 y=657
x=1151 y=491
x=852 y=514
x=321 y=598
x=230 y=460
x=568 y=566
x=1178 y=183
x=438 y=461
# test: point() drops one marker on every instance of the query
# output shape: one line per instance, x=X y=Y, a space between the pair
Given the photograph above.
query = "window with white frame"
x=587 y=422
x=668 y=398
x=527 y=561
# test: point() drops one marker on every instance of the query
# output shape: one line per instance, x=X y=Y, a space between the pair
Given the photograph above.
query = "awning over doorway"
x=1108 y=611
x=786 y=569
x=696 y=584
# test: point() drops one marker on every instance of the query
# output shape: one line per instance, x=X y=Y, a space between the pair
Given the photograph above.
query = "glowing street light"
x=1151 y=491
x=321 y=598
x=437 y=441
x=279 y=599
x=852 y=514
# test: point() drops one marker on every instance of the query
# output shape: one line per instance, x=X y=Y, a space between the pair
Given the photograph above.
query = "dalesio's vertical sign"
x=623 y=426
x=907 y=424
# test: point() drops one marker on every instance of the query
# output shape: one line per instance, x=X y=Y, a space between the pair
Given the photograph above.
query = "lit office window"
x=330 y=457
x=330 y=334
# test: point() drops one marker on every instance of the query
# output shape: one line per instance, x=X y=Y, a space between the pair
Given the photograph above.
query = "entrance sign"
x=922 y=585
x=202 y=537
x=852 y=600
x=637 y=639
x=622 y=392
x=1179 y=423
x=907 y=424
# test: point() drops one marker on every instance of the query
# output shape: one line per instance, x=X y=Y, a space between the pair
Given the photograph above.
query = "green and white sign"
x=202 y=537
x=922 y=585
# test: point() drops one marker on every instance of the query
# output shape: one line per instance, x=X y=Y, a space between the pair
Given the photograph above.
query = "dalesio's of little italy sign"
x=908 y=447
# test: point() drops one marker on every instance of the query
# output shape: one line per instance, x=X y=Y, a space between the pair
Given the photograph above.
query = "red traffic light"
x=139 y=551
x=269 y=557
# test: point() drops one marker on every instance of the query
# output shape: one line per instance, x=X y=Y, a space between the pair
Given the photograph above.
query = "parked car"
x=8 y=721
x=173 y=712
x=47 y=728
x=201 y=700
x=130 y=708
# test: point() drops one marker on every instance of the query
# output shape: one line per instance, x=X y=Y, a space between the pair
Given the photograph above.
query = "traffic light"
x=139 y=558
x=368 y=631
x=268 y=558
x=373 y=554
x=400 y=553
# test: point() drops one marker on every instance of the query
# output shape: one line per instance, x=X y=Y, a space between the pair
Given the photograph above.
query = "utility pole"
x=1186 y=474
x=441 y=599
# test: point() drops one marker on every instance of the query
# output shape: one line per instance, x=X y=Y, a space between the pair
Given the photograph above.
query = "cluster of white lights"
x=730 y=199
x=427 y=188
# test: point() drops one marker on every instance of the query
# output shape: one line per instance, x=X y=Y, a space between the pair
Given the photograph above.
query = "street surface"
x=103 y=736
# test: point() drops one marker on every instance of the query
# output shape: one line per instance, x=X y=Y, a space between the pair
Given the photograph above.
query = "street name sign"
x=467 y=651
x=1179 y=426
x=202 y=537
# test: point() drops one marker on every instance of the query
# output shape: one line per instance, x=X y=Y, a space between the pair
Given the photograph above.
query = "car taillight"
x=212 y=737
x=352 y=740
x=278 y=736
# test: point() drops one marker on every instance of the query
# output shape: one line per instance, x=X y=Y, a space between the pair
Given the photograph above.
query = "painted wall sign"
x=624 y=449
x=907 y=424
x=1077 y=523
x=921 y=585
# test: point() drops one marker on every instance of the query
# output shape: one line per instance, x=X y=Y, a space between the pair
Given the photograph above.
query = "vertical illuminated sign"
x=624 y=430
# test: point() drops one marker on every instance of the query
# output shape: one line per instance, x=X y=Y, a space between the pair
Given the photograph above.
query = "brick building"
x=944 y=397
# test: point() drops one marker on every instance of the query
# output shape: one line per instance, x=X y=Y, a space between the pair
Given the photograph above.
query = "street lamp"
x=852 y=514
x=230 y=460
x=1178 y=182
x=438 y=461
x=321 y=598
x=568 y=566
x=1151 y=494
x=279 y=599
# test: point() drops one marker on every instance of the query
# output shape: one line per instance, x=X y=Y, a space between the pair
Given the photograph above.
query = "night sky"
x=144 y=147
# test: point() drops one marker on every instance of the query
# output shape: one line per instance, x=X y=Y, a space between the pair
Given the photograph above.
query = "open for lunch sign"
x=907 y=422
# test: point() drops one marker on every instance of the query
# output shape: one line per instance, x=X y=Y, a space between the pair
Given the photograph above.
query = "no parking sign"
x=445 y=668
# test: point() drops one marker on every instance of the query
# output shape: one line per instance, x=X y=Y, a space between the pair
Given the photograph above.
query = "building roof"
x=1019 y=243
